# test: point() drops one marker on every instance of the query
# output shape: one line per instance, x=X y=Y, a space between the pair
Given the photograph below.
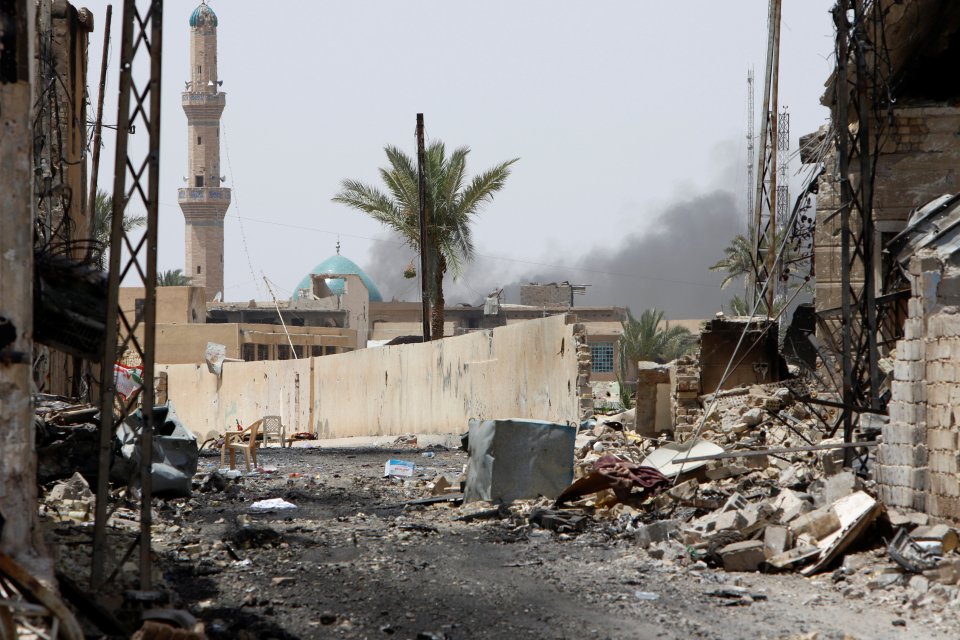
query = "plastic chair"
x=234 y=441
x=273 y=429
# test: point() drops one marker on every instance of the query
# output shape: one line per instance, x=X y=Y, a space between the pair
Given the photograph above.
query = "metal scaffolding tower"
x=133 y=260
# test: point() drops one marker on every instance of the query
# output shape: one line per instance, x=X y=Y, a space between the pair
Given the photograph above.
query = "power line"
x=236 y=203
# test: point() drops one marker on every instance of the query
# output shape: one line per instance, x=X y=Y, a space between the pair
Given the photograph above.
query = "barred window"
x=602 y=355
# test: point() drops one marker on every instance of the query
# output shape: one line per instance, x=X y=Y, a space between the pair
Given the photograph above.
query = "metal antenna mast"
x=751 y=149
x=783 y=179
x=764 y=226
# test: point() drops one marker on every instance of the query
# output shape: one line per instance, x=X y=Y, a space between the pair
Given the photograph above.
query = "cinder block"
x=902 y=455
x=776 y=540
x=908 y=391
x=941 y=325
x=939 y=416
x=911 y=350
x=945 y=439
x=938 y=393
x=945 y=485
x=907 y=413
x=903 y=477
x=743 y=556
x=942 y=461
x=913 y=329
x=904 y=433
x=909 y=371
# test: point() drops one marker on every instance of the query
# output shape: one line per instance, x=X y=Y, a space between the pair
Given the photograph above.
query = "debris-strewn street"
x=350 y=561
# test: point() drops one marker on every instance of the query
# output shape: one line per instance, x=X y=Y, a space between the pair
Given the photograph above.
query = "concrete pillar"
x=649 y=376
x=19 y=536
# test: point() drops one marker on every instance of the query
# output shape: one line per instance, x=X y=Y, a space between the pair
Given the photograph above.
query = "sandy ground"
x=351 y=562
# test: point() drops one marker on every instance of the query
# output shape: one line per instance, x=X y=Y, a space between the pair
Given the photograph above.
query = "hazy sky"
x=628 y=118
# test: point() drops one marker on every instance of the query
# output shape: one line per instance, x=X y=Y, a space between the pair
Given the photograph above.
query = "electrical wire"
x=236 y=202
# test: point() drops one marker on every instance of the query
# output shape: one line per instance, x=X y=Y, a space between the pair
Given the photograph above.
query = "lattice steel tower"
x=751 y=150
x=204 y=202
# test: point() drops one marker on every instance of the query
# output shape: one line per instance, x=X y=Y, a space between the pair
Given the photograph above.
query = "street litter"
x=271 y=504
x=398 y=468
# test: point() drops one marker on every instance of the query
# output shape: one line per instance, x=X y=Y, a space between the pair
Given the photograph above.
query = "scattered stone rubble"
x=793 y=511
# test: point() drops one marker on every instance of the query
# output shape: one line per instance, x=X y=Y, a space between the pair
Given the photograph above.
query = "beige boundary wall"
x=527 y=370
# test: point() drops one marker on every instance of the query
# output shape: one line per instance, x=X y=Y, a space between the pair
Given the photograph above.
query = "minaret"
x=204 y=202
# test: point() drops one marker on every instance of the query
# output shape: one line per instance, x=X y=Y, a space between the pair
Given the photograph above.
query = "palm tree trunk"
x=436 y=330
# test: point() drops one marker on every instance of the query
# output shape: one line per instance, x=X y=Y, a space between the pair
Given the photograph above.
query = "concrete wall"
x=529 y=370
x=175 y=305
x=918 y=462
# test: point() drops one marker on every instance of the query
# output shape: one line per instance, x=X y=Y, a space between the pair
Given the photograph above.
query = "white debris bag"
x=271 y=504
x=518 y=459
x=400 y=468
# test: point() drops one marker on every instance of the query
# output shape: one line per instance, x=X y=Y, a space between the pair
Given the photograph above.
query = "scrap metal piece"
x=905 y=551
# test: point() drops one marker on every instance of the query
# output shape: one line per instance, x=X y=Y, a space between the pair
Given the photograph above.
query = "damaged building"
x=914 y=118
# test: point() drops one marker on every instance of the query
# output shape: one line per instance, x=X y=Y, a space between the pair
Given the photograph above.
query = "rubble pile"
x=781 y=511
x=66 y=437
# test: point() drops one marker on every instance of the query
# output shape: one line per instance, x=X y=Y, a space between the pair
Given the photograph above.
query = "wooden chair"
x=273 y=429
x=234 y=441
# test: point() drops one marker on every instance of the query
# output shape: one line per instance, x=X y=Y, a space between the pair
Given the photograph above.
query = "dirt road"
x=351 y=562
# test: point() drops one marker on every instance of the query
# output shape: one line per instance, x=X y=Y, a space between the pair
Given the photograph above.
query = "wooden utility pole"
x=422 y=191
x=98 y=125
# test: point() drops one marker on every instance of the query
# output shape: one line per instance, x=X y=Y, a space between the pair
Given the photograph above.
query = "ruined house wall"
x=919 y=160
x=918 y=460
x=528 y=370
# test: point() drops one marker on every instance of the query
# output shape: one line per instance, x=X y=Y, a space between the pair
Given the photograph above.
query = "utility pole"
x=422 y=191
x=762 y=163
x=751 y=160
x=774 y=138
x=98 y=125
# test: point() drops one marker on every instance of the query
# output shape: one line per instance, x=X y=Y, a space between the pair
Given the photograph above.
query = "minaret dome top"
x=203 y=16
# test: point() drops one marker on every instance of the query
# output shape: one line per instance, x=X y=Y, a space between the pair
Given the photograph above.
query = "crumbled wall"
x=918 y=460
x=552 y=294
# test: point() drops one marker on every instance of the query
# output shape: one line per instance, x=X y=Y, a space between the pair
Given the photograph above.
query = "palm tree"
x=172 y=278
x=738 y=260
x=101 y=224
x=452 y=205
x=645 y=339
x=742 y=307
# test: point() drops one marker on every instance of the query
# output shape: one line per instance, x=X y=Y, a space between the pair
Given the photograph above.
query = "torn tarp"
x=517 y=459
x=175 y=453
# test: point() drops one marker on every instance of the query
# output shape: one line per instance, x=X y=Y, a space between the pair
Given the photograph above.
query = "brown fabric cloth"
x=610 y=472
x=624 y=476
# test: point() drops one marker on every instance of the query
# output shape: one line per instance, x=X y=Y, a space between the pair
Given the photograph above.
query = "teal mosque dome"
x=203 y=14
x=338 y=264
